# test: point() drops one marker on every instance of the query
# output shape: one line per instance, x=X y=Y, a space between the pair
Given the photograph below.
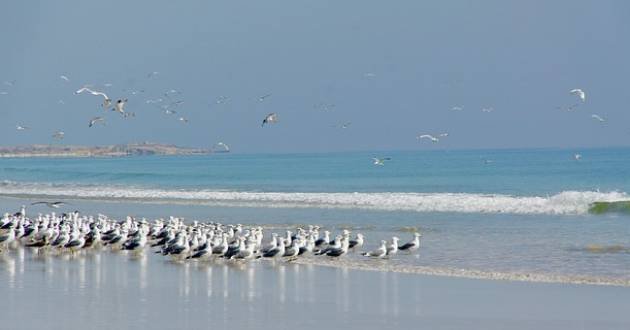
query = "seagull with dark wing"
x=271 y=118
x=120 y=106
x=263 y=97
x=21 y=128
x=95 y=120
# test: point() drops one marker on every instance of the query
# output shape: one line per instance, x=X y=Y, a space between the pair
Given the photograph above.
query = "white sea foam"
x=377 y=265
x=567 y=202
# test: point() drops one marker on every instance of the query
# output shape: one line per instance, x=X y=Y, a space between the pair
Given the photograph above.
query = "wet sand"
x=120 y=291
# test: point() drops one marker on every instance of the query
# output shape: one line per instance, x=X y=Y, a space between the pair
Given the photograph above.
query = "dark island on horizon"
x=119 y=150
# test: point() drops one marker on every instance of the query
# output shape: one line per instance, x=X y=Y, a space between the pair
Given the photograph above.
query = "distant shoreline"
x=110 y=151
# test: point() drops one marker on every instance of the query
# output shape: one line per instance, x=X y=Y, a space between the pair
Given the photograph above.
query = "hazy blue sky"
x=520 y=58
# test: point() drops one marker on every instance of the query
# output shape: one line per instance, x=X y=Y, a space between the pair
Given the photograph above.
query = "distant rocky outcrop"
x=120 y=150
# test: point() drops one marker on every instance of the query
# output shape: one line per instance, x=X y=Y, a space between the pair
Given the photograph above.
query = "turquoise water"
x=511 y=211
x=518 y=172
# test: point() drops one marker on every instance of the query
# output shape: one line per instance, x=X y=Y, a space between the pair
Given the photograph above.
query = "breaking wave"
x=564 y=203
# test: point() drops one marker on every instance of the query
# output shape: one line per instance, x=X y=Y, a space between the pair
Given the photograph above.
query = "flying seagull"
x=262 y=98
x=457 y=108
x=106 y=103
x=487 y=109
x=380 y=161
x=271 y=118
x=183 y=120
x=64 y=78
x=59 y=135
x=52 y=205
x=580 y=93
x=21 y=128
x=577 y=156
x=428 y=136
x=120 y=106
x=96 y=120
x=599 y=118
x=221 y=146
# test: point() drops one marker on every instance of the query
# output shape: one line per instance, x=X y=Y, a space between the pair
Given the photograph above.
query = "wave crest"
x=567 y=202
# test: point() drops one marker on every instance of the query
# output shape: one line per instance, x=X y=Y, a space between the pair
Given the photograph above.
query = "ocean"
x=499 y=214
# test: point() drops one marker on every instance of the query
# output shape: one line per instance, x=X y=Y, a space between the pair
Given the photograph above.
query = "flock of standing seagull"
x=72 y=232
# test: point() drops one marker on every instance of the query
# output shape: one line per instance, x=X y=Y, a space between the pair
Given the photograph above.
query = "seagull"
x=64 y=78
x=96 y=120
x=597 y=117
x=222 y=146
x=221 y=99
x=183 y=120
x=120 y=106
x=413 y=245
x=487 y=109
x=380 y=161
x=58 y=135
x=580 y=93
x=262 y=98
x=129 y=114
x=21 y=128
x=106 y=103
x=52 y=205
x=343 y=125
x=271 y=118
x=577 y=156
x=378 y=253
x=428 y=136
x=170 y=112
x=393 y=247
x=457 y=108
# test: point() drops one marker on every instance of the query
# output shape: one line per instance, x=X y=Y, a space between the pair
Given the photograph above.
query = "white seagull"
x=598 y=118
x=378 y=253
x=380 y=161
x=64 y=78
x=577 y=156
x=428 y=136
x=96 y=120
x=487 y=109
x=457 y=108
x=271 y=118
x=59 y=135
x=263 y=97
x=107 y=102
x=183 y=120
x=52 y=205
x=580 y=93
x=21 y=128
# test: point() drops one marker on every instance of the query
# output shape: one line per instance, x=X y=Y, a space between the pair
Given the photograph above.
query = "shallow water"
x=117 y=290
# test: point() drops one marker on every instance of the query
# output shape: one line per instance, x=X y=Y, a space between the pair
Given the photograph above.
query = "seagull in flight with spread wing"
x=580 y=93
x=271 y=118
x=107 y=102
x=95 y=120
x=380 y=161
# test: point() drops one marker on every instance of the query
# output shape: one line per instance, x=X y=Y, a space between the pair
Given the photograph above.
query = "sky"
x=392 y=69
